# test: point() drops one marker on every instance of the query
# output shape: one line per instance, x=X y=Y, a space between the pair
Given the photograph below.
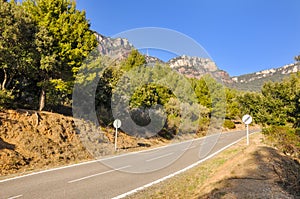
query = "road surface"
x=119 y=175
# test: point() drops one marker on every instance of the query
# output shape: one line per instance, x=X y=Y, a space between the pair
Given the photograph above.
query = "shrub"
x=6 y=99
x=286 y=139
x=229 y=124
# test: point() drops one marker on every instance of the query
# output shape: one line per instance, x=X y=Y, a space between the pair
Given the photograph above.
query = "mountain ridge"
x=196 y=67
x=254 y=81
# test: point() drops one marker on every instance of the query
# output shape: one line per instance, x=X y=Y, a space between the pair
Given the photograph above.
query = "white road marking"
x=105 y=158
x=174 y=174
x=13 y=197
x=98 y=174
x=162 y=156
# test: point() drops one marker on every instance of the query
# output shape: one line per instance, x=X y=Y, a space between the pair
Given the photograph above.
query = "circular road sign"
x=247 y=119
x=117 y=123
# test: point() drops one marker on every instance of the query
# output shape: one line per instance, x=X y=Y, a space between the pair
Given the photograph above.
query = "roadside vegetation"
x=277 y=109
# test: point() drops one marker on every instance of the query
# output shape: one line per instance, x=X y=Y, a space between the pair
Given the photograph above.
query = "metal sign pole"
x=247 y=119
x=117 y=124
x=116 y=137
x=247 y=134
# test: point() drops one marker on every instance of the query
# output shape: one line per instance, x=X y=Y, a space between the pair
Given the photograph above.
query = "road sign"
x=117 y=123
x=247 y=119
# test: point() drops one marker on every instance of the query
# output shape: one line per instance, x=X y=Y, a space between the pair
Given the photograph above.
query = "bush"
x=286 y=139
x=229 y=124
x=6 y=99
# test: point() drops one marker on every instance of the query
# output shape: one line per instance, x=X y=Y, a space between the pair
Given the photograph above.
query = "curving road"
x=120 y=175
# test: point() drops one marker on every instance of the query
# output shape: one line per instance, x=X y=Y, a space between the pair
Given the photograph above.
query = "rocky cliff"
x=255 y=81
x=273 y=72
x=117 y=48
x=189 y=65
x=196 y=67
x=153 y=60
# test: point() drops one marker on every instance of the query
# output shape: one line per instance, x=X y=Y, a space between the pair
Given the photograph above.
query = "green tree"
x=277 y=104
x=150 y=95
x=63 y=40
x=133 y=60
x=202 y=92
x=252 y=103
x=17 y=49
x=295 y=99
x=106 y=84
x=211 y=94
x=232 y=104
x=274 y=97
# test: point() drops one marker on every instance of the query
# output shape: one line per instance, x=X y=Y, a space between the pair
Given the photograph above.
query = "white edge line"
x=98 y=174
x=107 y=158
x=176 y=173
x=13 y=197
x=97 y=160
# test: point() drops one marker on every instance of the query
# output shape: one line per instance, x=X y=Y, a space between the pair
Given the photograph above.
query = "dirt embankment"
x=257 y=171
x=31 y=140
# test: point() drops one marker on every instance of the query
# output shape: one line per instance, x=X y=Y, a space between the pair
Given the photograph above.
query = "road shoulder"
x=254 y=171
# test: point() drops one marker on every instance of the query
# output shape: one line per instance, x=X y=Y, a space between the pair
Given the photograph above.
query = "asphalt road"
x=119 y=175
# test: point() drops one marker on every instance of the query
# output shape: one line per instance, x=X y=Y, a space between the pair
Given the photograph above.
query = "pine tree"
x=63 y=41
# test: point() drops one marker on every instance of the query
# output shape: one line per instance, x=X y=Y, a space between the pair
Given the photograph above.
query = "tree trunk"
x=42 y=99
x=4 y=79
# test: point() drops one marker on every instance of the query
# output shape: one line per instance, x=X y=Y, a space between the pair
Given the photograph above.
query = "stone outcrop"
x=268 y=74
x=117 y=48
x=196 y=67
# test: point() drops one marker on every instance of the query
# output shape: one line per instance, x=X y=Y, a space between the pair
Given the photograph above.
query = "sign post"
x=247 y=119
x=117 y=124
x=247 y=126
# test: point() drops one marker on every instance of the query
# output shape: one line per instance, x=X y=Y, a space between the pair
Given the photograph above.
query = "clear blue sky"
x=241 y=36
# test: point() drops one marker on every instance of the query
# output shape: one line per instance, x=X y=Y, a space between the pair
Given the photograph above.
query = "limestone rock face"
x=117 y=48
x=273 y=72
x=198 y=63
x=196 y=67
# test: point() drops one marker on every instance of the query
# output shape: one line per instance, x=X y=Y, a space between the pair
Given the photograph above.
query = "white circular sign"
x=247 y=119
x=117 y=123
